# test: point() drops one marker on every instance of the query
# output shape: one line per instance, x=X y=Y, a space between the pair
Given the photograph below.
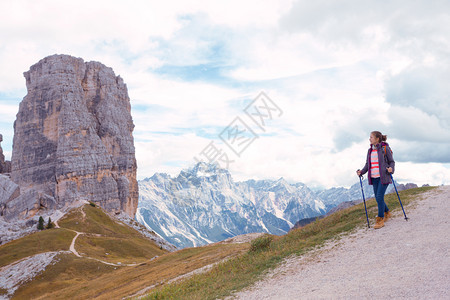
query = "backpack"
x=383 y=146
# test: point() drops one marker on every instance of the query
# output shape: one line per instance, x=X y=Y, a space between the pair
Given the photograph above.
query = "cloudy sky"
x=332 y=72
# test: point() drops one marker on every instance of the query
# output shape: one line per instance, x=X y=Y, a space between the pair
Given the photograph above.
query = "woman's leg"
x=375 y=184
x=379 y=196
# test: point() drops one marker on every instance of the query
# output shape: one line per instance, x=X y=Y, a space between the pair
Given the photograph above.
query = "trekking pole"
x=364 y=199
x=406 y=218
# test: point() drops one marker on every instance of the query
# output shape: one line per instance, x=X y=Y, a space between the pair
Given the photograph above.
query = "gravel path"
x=403 y=260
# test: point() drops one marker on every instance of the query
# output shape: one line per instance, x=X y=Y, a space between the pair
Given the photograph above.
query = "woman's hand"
x=358 y=172
x=389 y=170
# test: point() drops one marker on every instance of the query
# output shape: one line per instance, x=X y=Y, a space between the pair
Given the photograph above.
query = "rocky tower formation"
x=5 y=166
x=73 y=135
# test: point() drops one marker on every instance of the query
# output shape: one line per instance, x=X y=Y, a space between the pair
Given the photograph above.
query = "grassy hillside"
x=104 y=239
x=244 y=270
x=39 y=242
x=107 y=239
x=80 y=278
x=95 y=221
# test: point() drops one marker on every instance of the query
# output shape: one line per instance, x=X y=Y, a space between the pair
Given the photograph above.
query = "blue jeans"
x=379 y=189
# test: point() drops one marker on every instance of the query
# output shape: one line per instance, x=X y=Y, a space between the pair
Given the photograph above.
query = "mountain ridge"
x=203 y=204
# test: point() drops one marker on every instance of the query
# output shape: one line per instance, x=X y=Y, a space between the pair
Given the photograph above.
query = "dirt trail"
x=56 y=224
x=72 y=247
x=403 y=260
x=83 y=213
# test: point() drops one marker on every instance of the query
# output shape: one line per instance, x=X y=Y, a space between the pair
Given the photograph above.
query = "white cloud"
x=167 y=153
x=412 y=124
x=424 y=88
x=337 y=69
x=8 y=112
x=424 y=173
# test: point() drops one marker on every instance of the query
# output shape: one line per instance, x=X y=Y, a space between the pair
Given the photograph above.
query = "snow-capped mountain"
x=334 y=196
x=203 y=204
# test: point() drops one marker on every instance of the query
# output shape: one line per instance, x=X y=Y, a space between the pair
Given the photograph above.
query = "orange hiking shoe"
x=387 y=216
x=379 y=223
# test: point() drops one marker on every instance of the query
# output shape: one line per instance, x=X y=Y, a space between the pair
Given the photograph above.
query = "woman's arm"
x=390 y=159
x=366 y=167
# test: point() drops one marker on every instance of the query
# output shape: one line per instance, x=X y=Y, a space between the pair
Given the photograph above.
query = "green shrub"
x=41 y=223
x=92 y=204
x=261 y=243
x=49 y=224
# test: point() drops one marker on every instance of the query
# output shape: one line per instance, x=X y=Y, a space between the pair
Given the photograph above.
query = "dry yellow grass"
x=39 y=242
x=83 y=278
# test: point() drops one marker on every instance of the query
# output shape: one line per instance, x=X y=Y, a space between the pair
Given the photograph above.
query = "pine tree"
x=49 y=224
x=41 y=223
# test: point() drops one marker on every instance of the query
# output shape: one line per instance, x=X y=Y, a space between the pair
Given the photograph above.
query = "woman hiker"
x=379 y=164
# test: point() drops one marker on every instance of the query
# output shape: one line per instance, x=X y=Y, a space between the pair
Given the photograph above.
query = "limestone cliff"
x=5 y=165
x=73 y=136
